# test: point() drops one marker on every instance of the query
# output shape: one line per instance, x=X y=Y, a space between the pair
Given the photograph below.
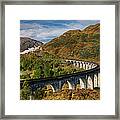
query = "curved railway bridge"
x=88 y=79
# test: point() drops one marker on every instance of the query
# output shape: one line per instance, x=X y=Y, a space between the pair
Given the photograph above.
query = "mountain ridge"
x=77 y=44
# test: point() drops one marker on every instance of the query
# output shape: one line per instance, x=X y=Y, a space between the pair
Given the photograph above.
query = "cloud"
x=45 y=30
x=42 y=34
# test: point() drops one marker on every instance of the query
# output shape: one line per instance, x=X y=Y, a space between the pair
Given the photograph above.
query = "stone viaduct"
x=88 y=79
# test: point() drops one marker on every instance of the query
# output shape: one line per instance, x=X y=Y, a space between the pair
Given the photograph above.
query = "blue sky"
x=45 y=30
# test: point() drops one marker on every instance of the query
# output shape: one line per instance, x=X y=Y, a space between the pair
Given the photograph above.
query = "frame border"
x=62 y=2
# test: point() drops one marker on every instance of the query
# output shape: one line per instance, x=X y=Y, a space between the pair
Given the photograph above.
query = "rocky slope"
x=26 y=43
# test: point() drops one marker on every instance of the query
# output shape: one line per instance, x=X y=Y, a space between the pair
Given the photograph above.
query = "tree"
x=36 y=74
x=46 y=69
x=84 y=37
x=40 y=93
x=25 y=92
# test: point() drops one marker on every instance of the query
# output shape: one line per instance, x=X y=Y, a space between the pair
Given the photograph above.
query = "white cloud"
x=74 y=26
x=42 y=34
x=49 y=30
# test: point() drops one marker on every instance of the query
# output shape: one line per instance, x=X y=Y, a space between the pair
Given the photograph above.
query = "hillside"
x=49 y=61
x=93 y=29
x=26 y=43
x=77 y=44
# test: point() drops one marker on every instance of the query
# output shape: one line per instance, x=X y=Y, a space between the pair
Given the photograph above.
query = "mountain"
x=92 y=29
x=77 y=44
x=26 y=43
